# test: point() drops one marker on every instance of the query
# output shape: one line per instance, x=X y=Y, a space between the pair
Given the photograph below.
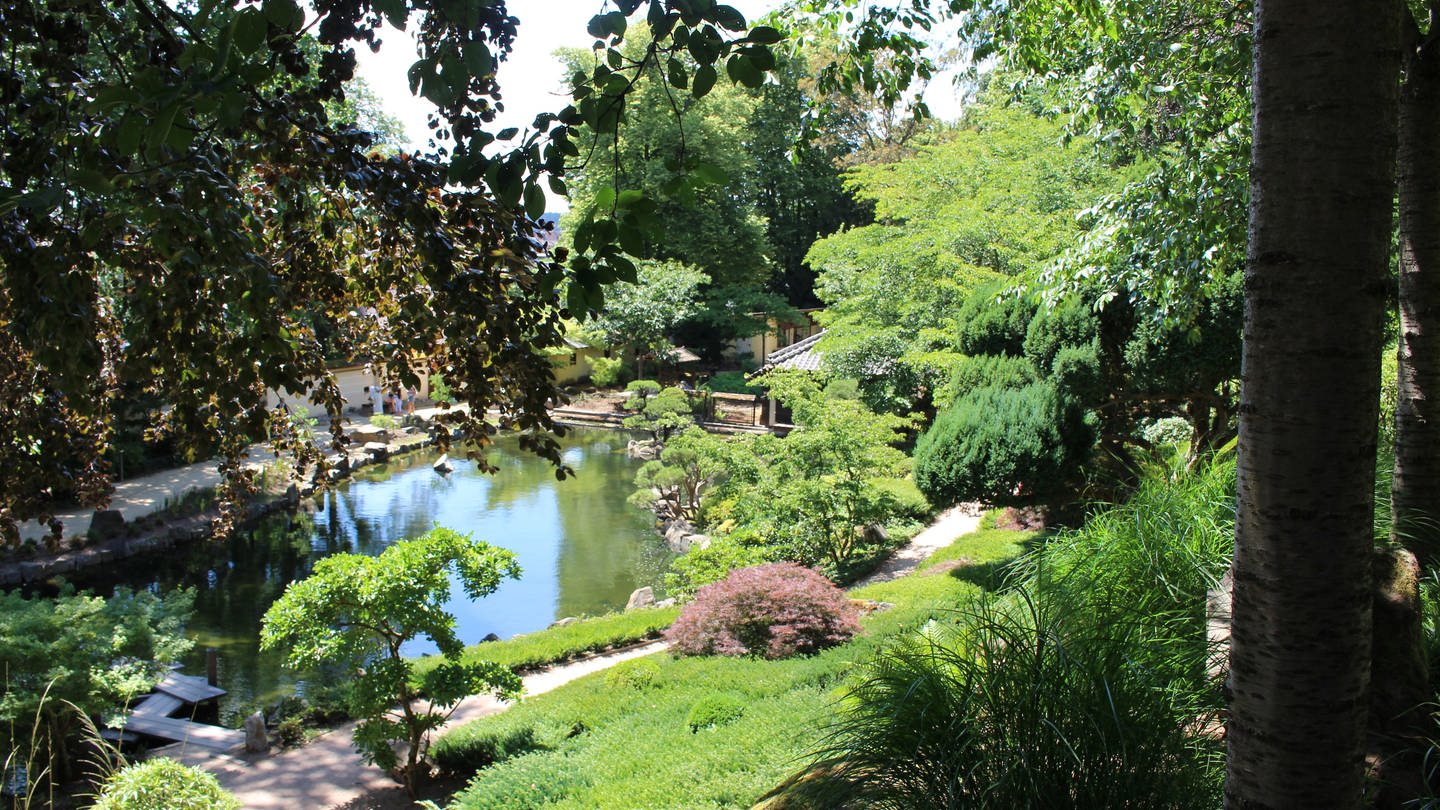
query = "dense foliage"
x=78 y=651
x=357 y=612
x=772 y=611
x=182 y=159
x=163 y=784
x=819 y=497
x=1085 y=685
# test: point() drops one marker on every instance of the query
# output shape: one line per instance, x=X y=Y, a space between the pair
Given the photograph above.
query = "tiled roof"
x=798 y=356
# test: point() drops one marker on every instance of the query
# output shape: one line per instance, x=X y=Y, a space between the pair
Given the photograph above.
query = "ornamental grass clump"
x=775 y=611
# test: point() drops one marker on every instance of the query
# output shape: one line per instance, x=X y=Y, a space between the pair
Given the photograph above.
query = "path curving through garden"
x=328 y=773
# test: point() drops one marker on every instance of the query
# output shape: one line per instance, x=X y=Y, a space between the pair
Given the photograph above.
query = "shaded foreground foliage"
x=1083 y=685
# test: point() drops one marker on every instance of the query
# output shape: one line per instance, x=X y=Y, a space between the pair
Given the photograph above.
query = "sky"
x=532 y=79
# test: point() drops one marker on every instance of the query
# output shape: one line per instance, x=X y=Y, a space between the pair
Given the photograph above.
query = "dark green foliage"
x=731 y=382
x=714 y=710
x=1083 y=687
x=1002 y=446
x=994 y=320
x=987 y=370
x=77 y=648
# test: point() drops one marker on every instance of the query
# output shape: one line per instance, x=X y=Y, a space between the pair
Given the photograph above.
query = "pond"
x=582 y=549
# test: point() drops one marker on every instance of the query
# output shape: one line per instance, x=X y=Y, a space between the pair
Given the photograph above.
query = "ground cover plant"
x=623 y=739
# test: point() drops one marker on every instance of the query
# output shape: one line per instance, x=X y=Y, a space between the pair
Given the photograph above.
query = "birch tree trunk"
x=1320 y=224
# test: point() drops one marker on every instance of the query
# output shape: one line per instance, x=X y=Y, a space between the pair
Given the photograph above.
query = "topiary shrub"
x=1003 y=446
x=775 y=611
x=638 y=675
x=164 y=784
x=714 y=710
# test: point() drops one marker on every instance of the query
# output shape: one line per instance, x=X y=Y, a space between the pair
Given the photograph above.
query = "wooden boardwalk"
x=152 y=715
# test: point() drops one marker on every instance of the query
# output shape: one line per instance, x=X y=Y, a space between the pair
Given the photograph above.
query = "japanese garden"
x=804 y=404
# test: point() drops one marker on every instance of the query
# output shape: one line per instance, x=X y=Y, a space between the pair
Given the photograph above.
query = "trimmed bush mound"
x=164 y=784
x=715 y=710
x=773 y=611
x=1003 y=446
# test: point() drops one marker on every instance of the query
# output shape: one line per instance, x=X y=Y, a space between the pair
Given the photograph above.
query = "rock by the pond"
x=489 y=637
x=564 y=621
x=642 y=597
x=369 y=433
x=643 y=448
x=106 y=524
x=664 y=603
x=378 y=450
x=256 y=740
x=442 y=464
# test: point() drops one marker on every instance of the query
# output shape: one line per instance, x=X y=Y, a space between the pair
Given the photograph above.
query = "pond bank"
x=132 y=535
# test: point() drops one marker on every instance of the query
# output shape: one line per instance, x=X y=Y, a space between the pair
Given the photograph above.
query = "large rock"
x=675 y=533
x=106 y=524
x=256 y=741
x=378 y=450
x=643 y=448
x=442 y=464
x=642 y=597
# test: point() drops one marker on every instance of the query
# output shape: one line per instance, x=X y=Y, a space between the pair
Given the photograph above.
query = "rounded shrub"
x=775 y=611
x=1002 y=446
x=714 y=710
x=164 y=784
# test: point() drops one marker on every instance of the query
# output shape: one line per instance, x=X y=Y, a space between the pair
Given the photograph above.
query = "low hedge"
x=567 y=642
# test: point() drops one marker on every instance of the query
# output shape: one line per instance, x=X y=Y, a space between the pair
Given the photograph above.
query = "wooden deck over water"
x=152 y=715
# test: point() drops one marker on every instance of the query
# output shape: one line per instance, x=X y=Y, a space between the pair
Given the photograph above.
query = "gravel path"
x=328 y=773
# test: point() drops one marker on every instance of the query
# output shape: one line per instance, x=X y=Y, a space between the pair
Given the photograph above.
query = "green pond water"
x=582 y=549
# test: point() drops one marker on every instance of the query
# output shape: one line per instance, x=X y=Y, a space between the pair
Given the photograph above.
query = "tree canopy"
x=181 y=210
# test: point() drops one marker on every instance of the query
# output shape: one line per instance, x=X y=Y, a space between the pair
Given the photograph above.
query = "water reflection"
x=582 y=549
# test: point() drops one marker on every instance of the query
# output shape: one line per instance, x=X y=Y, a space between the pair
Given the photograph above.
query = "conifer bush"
x=164 y=784
x=774 y=611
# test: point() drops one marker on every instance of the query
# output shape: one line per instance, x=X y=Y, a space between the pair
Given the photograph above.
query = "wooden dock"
x=152 y=715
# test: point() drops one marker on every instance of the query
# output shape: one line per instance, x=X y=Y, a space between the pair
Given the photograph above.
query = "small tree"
x=688 y=467
x=360 y=611
x=663 y=414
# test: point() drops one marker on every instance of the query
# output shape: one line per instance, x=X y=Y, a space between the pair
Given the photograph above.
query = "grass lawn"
x=556 y=645
x=623 y=738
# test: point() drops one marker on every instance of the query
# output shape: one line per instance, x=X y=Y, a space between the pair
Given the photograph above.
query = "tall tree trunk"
x=1415 y=500
x=1400 y=682
x=1320 y=223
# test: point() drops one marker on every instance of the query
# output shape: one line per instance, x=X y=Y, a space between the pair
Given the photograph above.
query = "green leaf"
x=711 y=174
x=730 y=18
x=743 y=71
x=678 y=77
x=765 y=35
x=704 y=80
x=604 y=198
x=249 y=30
x=284 y=14
x=396 y=11
x=507 y=133
x=534 y=201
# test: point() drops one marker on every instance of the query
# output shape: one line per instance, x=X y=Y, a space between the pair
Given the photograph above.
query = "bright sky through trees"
x=533 y=77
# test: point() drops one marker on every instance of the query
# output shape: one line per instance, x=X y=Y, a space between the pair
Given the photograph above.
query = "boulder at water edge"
x=256 y=741
x=642 y=597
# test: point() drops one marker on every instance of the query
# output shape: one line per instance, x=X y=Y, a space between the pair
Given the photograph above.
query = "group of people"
x=391 y=403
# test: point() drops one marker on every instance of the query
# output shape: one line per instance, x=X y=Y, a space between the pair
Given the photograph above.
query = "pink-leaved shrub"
x=776 y=611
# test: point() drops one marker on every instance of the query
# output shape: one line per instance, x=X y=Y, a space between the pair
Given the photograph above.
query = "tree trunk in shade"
x=1322 y=188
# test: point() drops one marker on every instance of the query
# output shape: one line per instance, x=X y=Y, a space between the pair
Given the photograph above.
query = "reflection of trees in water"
x=608 y=547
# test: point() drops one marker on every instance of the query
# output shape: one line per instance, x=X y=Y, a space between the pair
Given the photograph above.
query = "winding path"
x=328 y=773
